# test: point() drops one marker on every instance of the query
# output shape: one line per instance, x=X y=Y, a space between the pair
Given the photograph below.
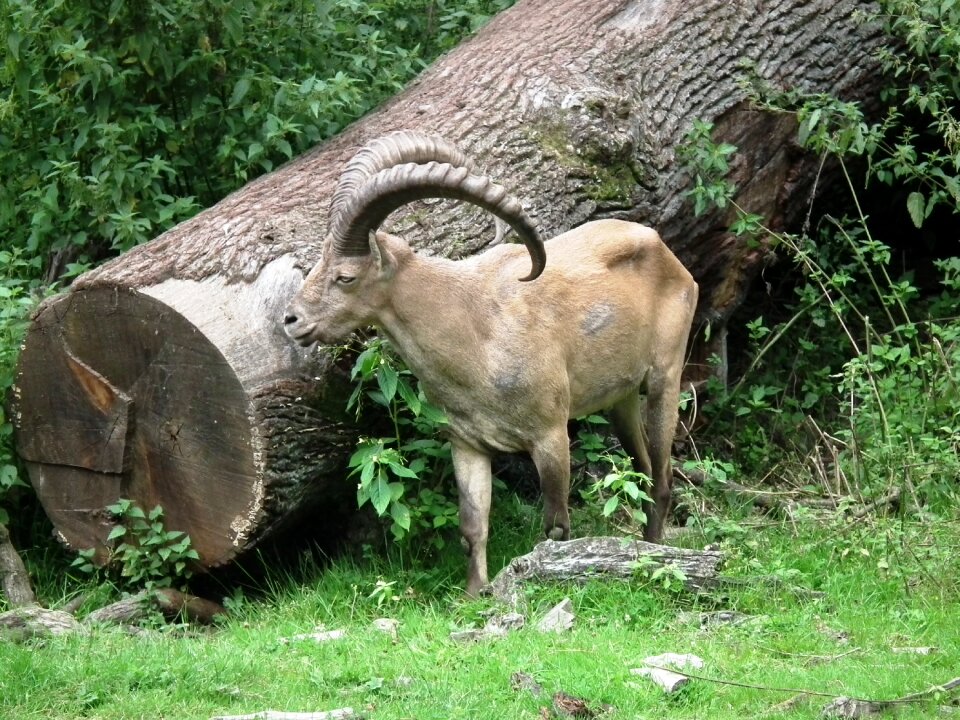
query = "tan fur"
x=510 y=362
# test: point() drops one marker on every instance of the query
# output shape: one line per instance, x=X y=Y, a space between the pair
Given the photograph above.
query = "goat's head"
x=353 y=279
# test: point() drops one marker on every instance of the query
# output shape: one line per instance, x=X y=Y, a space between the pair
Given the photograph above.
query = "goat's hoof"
x=558 y=533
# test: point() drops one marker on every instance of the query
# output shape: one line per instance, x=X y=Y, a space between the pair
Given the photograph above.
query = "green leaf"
x=401 y=515
x=118 y=531
x=610 y=505
x=240 y=90
x=387 y=379
x=916 y=206
x=13 y=42
x=366 y=361
x=366 y=475
x=380 y=494
x=401 y=471
x=364 y=454
x=409 y=397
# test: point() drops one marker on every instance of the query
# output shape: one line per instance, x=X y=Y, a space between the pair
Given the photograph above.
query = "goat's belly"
x=597 y=391
x=488 y=432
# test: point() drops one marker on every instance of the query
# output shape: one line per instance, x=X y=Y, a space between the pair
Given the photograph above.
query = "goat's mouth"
x=304 y=335
x=310 y=334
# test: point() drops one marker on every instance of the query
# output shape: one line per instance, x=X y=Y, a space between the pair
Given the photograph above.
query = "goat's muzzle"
x=296 y=329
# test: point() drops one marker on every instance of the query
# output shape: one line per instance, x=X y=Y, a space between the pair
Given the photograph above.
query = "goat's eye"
x=345 y=279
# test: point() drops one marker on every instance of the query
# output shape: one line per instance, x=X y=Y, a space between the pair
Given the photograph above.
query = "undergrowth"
x=853 y=386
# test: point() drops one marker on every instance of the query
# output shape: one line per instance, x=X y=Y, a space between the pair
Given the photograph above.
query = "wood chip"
x=657 y=669
x=851 y=709
x=914 y=650
x=559 y=618
x=388 y=626
x=317 y=636
x=339 y=714
x=521 y=681
x=500 y=625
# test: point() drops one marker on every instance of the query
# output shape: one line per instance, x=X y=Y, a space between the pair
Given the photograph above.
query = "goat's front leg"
x=474 y=484
x=551 y=455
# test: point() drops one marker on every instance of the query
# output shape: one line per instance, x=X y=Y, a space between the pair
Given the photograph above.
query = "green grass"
x=885 y=584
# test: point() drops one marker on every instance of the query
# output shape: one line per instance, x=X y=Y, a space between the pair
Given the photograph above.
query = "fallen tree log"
x=164 y=377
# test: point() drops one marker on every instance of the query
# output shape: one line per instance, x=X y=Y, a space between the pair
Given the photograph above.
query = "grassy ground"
x=886 y=585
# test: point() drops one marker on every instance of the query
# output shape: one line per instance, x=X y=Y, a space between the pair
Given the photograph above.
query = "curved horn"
x=394 y=187
x=395 y=148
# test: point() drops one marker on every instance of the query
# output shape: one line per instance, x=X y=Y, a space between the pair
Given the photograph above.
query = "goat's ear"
x=383 y=259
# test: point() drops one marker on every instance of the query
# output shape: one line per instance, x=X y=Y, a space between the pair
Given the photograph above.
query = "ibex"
x=603 y=316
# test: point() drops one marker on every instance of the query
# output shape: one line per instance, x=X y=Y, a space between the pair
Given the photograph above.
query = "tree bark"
x=14 y=581
x=163 y=376
x=608 y=557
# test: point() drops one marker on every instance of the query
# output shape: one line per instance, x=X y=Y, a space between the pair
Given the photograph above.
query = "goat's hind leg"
x=663 y=400
x=628 y=424
x=551 y=455
x=474 y=485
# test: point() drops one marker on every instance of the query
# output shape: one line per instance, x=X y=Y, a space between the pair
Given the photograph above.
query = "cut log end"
x=118 y=396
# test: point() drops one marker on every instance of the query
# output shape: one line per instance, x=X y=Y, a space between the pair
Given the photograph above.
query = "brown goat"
x=604 y=314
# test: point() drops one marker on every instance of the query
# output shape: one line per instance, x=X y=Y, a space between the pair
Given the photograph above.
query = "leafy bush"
x=404 y=475
x=18 y=294
x=118 y=120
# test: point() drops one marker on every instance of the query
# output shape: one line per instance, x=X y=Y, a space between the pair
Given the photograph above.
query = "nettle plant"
x=148 y=555
x=863 y=357
x=403 y=476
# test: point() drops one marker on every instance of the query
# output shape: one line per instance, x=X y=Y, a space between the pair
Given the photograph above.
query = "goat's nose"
x=290 y=318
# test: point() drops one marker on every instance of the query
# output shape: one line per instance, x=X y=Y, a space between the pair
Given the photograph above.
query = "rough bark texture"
x=178 y=387
x=14 y=581
x=32 y=621
x=610 y=557
x=171 y=603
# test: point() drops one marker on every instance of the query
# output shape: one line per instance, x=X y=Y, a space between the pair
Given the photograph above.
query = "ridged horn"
x=394 y=187
x=395 y=148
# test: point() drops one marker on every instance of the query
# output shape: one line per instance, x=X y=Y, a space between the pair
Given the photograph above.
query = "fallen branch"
x=27 y=622
x=602 y=557
x=14 y=581
x=844 y=700
x=319 y=636
x=670 y=680
x=890 y=498
x=32 y=621
x=171 y=603
x=279 y=715
x=771 y=581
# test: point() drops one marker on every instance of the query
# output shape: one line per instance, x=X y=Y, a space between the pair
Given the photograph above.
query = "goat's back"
x=613 y=306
